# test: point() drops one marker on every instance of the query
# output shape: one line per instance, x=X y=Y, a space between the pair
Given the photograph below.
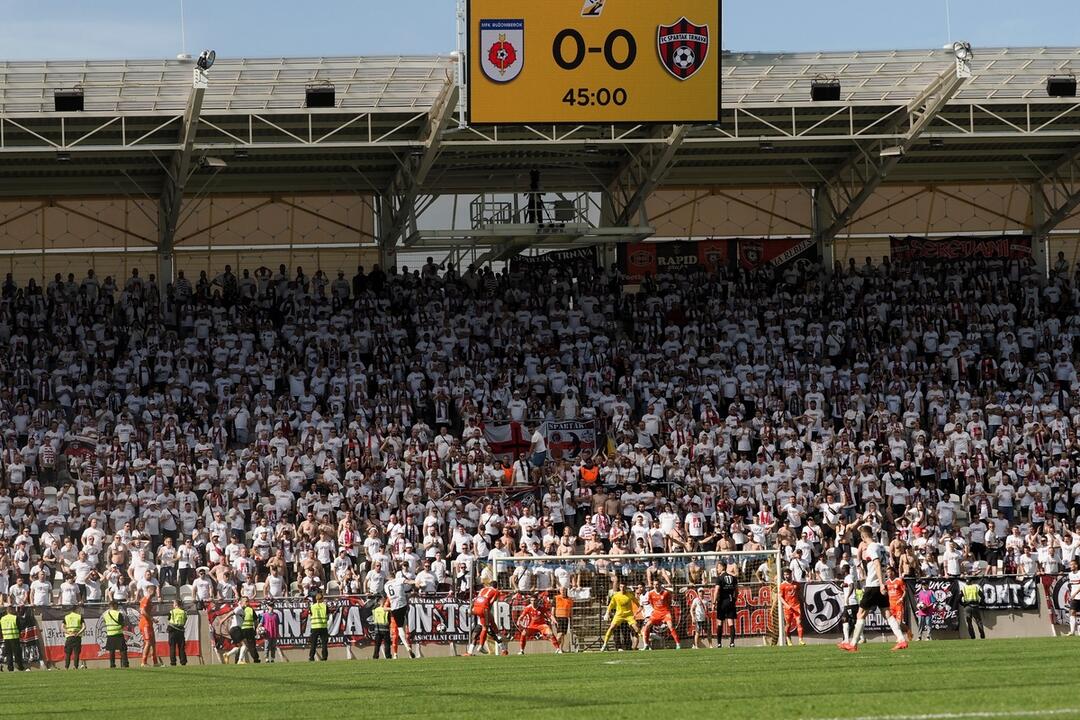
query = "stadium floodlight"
x=1061 y=86
x=766 y=146
x=206 y=60
x=63 y=156
x=892 y=151
x=964 y=55
x=214 y=162
x=962 y=51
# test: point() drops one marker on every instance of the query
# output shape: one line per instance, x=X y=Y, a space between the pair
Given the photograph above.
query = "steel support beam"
x=1040 y=244
x=1062 y=179
x=642 y=173
x=414 y=169
x=859 y=177
x=172 y=196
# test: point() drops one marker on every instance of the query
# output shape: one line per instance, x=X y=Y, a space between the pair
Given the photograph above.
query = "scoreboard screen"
x=593 y=61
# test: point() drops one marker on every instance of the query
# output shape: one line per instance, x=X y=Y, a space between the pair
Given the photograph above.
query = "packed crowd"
x=274 y=433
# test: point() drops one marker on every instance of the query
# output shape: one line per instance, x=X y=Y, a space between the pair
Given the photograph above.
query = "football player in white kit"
x=397 y=592
x=871 y=553
x=850 y=603
x=1074 y=596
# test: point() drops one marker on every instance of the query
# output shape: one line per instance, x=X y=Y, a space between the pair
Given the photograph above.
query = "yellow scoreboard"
x=593 y=61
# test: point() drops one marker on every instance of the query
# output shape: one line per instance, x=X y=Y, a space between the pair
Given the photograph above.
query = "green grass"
x=994 y=678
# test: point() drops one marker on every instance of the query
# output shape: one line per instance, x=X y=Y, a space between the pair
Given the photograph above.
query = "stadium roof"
x=395 y=127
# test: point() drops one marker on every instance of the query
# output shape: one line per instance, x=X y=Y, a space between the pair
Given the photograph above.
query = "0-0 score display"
x=600 y=96
x=582 y=61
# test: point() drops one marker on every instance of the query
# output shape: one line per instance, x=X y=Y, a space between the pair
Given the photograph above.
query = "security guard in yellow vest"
x=73 y=632
x=380 y=625
x=9 y=629
x=247 y=628
x=177 y=623
x=319 y=634
x=970 y=597
x=115 y=642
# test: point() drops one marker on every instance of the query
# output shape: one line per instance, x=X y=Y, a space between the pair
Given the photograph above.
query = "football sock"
x=857 y=634
x=894 y=625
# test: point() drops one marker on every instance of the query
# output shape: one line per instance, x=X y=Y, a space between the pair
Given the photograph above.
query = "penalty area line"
x=976 y=715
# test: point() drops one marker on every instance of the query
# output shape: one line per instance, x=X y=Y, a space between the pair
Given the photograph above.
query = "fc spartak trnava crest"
x=683 y=47
x=502 y=49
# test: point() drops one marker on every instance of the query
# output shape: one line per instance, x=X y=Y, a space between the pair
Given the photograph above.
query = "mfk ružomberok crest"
x=503 y=45
x=683 y=47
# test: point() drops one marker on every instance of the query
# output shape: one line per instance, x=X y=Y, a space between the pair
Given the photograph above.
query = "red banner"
x=754 y=614
x=1055 y=588
x=93 y=642
x=907 y=249
x=639 y=260
x=755 y=254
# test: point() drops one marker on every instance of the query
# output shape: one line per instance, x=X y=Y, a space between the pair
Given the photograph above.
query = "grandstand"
x=884 y=337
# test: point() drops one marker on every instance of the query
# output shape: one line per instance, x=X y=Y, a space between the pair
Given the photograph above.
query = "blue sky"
x=66 y=29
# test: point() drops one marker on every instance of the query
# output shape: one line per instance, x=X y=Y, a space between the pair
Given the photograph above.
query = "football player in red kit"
x=660 y=601
x=483 y=607
x=789 y=598
x=536 y=620
x=896 y=589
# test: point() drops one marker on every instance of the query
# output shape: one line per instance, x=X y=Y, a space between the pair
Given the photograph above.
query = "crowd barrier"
x=1010 y=607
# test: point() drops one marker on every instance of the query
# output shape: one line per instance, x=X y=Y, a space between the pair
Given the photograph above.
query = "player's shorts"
x=401 y=617
x=624 y=619
x=661 y=617
x=897 y=609
x=533 y=630
x=480 y=611
x=792 y=617
x=563 y=623
x=702 y=627
x=873 y=598
x=725 y=610
x=1075 y=604
x=236 y=634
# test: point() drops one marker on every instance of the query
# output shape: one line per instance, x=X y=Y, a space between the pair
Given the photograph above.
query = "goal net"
x=691 y=577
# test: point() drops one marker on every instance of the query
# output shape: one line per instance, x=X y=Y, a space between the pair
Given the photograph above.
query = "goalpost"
x=589 y=580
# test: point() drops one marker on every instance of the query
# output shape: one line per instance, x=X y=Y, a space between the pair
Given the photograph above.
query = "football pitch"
x=931 y=681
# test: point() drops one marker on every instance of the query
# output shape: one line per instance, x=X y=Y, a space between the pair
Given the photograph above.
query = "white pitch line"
x=967 y=715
